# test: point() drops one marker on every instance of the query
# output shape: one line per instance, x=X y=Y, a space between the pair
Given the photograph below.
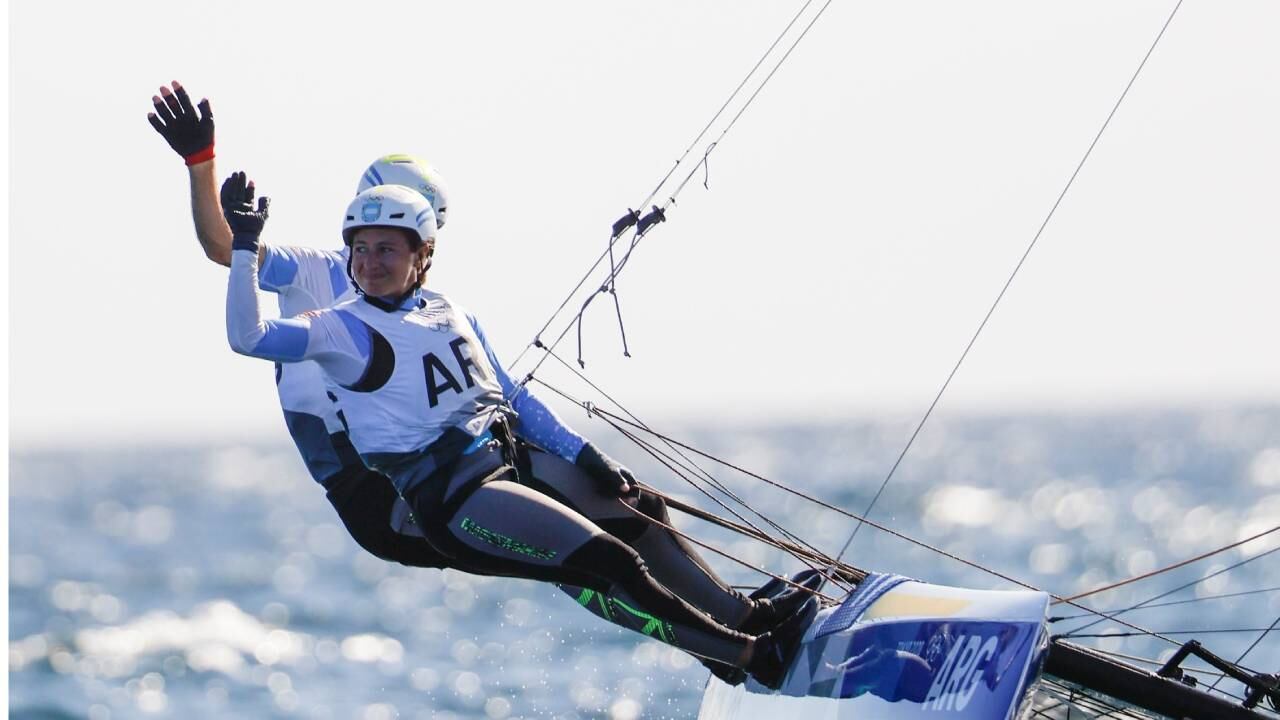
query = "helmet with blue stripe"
x=391 y=206
x=411 y=172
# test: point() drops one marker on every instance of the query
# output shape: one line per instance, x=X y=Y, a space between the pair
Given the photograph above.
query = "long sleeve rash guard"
x=342 y=346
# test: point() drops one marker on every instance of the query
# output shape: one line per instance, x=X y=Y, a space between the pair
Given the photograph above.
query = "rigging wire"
x=762 y=538
x=657 y=454
x=595 y=410
x=1184 y=586
x=671 y=200
x=722 y=553
x=799 y=554
x=1206 y=598
x=657 y=188
x=1209 y=631
x=1249 y=649
x=605 y=414
x=847 y=572
x=733 y=95
x=1009 y=282
x=659 y=213
x=1167 y=568
x=1104 y=615
x=691 y=464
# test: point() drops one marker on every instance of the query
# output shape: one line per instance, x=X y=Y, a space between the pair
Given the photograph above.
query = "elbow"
x=239 y=343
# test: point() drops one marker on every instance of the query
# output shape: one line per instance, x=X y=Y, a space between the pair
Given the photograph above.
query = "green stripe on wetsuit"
x=646 y=623
x=505 y=542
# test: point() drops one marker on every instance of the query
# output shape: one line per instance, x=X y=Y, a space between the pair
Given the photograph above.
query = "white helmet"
x=391 y=206
x=410 y=172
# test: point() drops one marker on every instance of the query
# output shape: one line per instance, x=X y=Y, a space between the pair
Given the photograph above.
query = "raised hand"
x=237 y=207
x=188 y=132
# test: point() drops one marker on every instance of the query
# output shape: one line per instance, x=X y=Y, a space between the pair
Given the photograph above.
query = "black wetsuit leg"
x=494 y=526
x=671 y=560
x=364 y=500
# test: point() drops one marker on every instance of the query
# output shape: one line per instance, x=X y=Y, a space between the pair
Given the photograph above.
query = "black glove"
x=237 y=207
x=605 y=470
x=188 y=133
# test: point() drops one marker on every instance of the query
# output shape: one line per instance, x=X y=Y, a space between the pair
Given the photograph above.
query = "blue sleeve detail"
x=279 y=268
x=361 y=334
x=283 y=340
x=536 y=423
x=338 y=275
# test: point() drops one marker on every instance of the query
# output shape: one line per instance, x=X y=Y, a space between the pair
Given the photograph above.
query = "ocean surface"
x=216 y=582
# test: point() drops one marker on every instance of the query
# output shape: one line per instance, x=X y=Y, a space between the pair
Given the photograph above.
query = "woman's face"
x=382 y=262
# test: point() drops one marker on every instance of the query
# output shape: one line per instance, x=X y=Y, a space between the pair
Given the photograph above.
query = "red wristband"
x=204 y=155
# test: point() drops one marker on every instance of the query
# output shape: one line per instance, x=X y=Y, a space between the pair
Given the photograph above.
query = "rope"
x=596 y=411
x=1264 y=631
x=847 y=572
x=1206 y=598
x=758 y=533
x=654 y=193
x=707 y=153
x=1008 y=282
x=1179 y=588
x=1168 y=568
x=724 y=554
x=636 y=422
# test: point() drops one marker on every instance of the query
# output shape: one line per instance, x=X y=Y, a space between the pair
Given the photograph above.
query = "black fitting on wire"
x=655 y=216
x=626 y=221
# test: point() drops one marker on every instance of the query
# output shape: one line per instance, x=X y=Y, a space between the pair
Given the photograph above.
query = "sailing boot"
x=776 y=649
x=775 y=601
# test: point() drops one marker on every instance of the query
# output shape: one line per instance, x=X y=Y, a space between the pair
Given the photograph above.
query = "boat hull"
x=899 y=649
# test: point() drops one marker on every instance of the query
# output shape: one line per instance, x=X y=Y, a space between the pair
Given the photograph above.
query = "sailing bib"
x=427 y=372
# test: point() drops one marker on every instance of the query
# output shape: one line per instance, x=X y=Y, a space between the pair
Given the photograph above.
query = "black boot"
x=775 y=649
x=776 y=601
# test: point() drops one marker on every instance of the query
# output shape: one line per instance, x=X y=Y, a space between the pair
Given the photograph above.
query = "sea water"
x=216 y=582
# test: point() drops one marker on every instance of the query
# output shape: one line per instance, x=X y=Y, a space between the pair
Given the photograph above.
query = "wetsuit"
x=424 y=402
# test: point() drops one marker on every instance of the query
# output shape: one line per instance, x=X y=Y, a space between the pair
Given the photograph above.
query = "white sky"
x=862 y=215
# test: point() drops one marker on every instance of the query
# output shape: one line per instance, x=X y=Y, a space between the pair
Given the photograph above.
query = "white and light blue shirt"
x=443 y=372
